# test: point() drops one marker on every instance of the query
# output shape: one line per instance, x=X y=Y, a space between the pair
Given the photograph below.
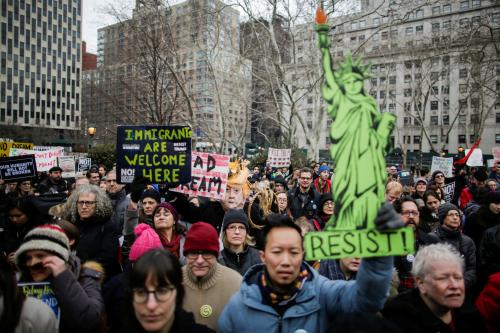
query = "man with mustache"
x=436 y=304
x=408 y=210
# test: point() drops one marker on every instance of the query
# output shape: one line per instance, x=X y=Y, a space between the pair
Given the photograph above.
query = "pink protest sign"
x=208 y=176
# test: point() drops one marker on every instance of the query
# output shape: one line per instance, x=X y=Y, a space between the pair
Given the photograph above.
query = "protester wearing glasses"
x=238 y=254
x=304 y=198
x=90 y=210
x=450 y=231
x=408 y=210
x=209 y=285
x=155 y=296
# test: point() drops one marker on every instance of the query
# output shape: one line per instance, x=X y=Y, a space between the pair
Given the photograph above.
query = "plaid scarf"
x=278 y=299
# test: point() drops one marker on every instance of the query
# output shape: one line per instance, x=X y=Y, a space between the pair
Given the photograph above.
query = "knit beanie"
x=435 y=173
x=151 y=194
x=171 y=209
x=481 y=175
x=235 y=216
x=324 y=168
x=147 y=239
x=421 y=180
x=324 y=198
x=201 y=237
x=47 y=237
x=444 y=209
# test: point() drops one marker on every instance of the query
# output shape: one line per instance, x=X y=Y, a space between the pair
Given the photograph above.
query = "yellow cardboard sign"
x=6 y=145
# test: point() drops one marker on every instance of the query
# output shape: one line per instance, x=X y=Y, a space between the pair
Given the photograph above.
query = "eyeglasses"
x=305 y=178
x=205 y=255
x=328 y=203
x=233 y=228
x=439 y=176
x=410 y=212
x=85 y=203
x=453 y=214
x=141 y=295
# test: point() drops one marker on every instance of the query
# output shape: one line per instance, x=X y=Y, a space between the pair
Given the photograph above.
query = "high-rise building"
x=40 y=70
x=434 y=65
x=172 y=65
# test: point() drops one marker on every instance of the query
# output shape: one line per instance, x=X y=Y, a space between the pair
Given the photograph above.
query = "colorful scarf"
x=278 y=299
x=172 y=246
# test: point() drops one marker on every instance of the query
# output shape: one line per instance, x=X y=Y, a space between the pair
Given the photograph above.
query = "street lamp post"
x=91 y=130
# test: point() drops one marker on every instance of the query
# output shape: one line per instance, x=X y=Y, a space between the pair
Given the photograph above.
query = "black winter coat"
x=210 y=211
x=409 y=312
x=465 y=245
x=240 y=262
x=478 y=222
x=99 y=242
x=303 y=205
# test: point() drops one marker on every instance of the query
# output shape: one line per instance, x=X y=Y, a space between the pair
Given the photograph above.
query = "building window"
x=472 y=138
x=407 y=120
x=497 y=138
x=462 y=88
x=416 y=139
x=373 y=81
x=435 y=27
x=382 y=94
x=447 y=8
x=476 y=3
x=436 y=10
x=464 y=4
x=446 y=25
x=434 y=107
x=462 y=119
x=434 y=120
x=419 y=13
x=409 y=31
x=419 y=30
x=462 y=73
x=407 y=92
x=474 y=119
x=392 y=79
x=497 y=118
x=385 y=35
x=434 y=139
x=446 y=120
x=461 y=138
x=407 y=78
x=376 y=21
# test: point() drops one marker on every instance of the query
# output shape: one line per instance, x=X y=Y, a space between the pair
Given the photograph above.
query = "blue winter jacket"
x=317 y=302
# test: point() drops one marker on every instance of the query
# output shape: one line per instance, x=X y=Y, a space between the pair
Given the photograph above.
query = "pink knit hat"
x=147 y=239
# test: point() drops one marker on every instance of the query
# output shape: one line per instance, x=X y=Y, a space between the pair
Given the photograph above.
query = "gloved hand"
x=387 y=219
x=136 y=188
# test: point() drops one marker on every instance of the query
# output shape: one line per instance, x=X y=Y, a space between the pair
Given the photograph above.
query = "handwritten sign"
x=449 y=191
x=44 y=159
x=360 y=136
x=5 y=147
x=84 y=164
x=42 y=291
x=278 y=158
x=476 y=158
x=208 y=176
x=67 y=164
x=17 y=168
x=160 y=154
x=443 y=164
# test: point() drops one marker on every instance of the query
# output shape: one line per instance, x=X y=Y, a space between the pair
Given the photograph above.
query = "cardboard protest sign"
x=160 y=154
x=278 y=158
x=67 y=164
x=42 y=291
x=495 y=151
x=84 y=164
x=476 y=158
x=449 y=191
x=16 y=168
x=208 y=176
x=5 y=147
x=443 y=164
x=44 y=159
x=360 y=139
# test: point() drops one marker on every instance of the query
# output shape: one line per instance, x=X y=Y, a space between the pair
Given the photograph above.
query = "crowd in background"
x=143 y=258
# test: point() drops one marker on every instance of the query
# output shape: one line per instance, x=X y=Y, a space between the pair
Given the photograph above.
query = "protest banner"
x=208 y=176
x=449 y=191
x=443 y=164
x=476 y=158
x=278 y=158
x=67 y=164
x=44 y=159
x=495 y=151
x=360 y=136
x=16 y=168
x=5 y=147
x=84 y=164
x=160 y=154
x=42 y=291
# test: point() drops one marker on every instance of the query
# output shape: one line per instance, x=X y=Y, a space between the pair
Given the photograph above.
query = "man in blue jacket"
x=284 y=294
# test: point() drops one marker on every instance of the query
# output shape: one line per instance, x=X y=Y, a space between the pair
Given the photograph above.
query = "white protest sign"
x=67 y=164
x=443 y=164
x=278 y=158
x=490 y=163
x=476 y=158
x=208 y=176
x=44 y=159
x=495 y=151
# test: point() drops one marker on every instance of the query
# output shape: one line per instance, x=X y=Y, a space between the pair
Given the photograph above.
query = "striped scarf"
x=280 y=299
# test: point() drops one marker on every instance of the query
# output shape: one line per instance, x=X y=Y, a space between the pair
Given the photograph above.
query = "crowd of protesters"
x=142 y=258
